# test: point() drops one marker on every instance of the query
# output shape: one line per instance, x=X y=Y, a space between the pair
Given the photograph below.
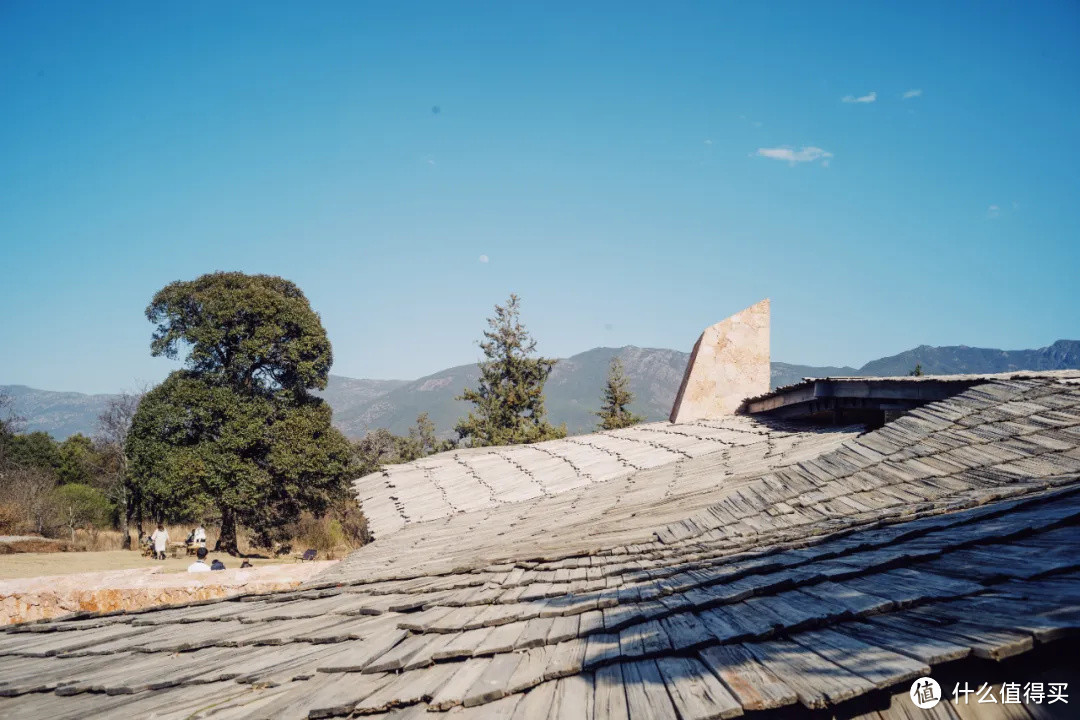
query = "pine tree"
x=509 y=401
x=615 y=412
x=918 y=371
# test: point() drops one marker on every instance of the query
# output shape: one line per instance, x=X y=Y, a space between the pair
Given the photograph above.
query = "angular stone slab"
x=729 y=363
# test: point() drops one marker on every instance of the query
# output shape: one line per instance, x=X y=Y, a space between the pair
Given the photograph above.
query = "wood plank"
x=882 y=667
x=458 y=686
x=816 y=681
x=1045 y=622
x=463 y=645
x=566 y=659
x=752 y=684
x=591 y=622
x=734 y=623
x=563 y=628
x=695 y=691
x=530 y=671
x=535 y=633
x=330 y=697
x=609 y=701
x=423 y=656
x=500 y=640
x=573 y=698
x=536 y=704
x=496 y=710
x=985 y=642
x=883 y=632
x=855 y=602
x=494 y=682
x=601 y=649
x=407 y=688
x=358 y=654
x=399 y=655
x=646 y=695
x=686 y=631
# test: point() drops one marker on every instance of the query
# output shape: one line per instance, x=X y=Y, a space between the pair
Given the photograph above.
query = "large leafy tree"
x=509 y=401
x=615 y=412
x=237 y=429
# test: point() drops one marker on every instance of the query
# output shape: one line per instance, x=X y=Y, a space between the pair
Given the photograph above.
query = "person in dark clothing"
x=217 y=565
x=245 y=564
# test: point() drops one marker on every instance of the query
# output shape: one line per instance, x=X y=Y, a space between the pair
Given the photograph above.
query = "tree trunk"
x=138 y=503
x=226 y=541
x=126 y=519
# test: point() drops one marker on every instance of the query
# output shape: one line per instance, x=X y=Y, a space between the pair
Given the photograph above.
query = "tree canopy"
x=381 y=447
x=237 y=429
x=615 y=412
x=256 y=332
x=36 y=450
x=509 y=400
x=77 y=460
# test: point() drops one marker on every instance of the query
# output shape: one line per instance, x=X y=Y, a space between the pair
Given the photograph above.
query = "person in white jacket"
x=160 y=538
x=198 y=537
x=200 y=564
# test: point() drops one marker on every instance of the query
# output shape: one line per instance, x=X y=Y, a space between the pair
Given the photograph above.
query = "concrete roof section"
x=799 y=571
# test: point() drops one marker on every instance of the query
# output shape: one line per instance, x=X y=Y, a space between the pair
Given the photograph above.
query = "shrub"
x=77 y=506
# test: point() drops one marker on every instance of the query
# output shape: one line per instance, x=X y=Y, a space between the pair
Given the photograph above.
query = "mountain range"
x=572 y=392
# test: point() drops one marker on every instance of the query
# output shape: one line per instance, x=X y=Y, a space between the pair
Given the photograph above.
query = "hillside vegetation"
x=573 y=390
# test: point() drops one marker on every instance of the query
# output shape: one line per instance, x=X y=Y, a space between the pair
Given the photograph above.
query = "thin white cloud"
x=793 y=156
x=483 y=258
x=708 y=142
x=913 y=93
x=993 y=211
x=867 y=98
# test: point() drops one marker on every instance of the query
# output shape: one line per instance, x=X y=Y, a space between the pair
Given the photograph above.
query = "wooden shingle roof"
x=797 y=570
x=473 y=479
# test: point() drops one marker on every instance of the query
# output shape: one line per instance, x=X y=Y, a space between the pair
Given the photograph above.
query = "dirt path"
x=23 y=565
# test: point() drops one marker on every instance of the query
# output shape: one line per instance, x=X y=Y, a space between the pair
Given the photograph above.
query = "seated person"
x=217 y=564
x=200 y=564
x=245 y=564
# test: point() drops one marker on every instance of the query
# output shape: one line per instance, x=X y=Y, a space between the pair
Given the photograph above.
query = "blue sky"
x=890 y=174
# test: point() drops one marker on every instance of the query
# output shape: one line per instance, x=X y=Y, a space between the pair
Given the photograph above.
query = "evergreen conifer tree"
x=615 y=412
x=509 y=401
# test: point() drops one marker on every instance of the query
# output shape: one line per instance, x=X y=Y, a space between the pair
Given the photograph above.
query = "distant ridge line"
x=573 y=391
